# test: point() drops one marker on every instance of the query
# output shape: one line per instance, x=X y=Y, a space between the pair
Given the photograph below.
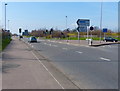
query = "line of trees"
x=53 y=33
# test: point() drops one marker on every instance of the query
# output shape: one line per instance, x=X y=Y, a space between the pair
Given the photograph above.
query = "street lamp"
x=101 y=22
x=5 y=15
x=8 y=24
x=66 y=22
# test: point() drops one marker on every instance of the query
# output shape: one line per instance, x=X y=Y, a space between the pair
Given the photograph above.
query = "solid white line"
x=105 y=59
x=79 y=52
x=48 y=71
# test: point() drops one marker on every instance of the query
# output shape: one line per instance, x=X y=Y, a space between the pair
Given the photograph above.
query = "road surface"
x=22 y=68
x=87 y=67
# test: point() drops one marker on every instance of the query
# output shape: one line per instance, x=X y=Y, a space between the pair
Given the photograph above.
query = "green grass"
x=5 y=42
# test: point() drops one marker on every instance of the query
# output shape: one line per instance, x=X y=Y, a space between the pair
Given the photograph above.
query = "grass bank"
x=4 y=43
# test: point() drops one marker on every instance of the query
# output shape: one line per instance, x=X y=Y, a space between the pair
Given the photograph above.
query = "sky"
x=36 y=15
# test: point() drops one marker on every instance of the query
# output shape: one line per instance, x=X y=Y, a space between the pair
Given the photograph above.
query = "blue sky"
x=35 y=15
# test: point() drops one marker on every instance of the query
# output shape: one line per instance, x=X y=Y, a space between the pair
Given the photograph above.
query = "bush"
x=5 y=42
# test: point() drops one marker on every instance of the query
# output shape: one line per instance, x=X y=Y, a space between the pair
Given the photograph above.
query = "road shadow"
x=7 y=67
x=97 y=45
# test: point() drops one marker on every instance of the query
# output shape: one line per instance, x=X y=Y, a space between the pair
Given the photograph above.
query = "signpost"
x=82 y=26
x=20 y=30
x=105 y=31
x=91 y=28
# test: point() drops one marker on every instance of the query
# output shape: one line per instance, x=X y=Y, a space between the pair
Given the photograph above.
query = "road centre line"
x=105 y=59
x=64 y=48
x=46 y=69
x=55 y=45
x=109 y=46
x=79 y=52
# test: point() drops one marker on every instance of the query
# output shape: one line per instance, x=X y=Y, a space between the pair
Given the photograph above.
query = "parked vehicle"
x=32 y=39
x=110 y=39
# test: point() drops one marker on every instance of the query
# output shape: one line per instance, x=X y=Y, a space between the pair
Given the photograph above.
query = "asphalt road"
x=87 y=67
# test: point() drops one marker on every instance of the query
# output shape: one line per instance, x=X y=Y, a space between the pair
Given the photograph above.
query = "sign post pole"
x=87 y=35
x=78 y=37
x=105 y=30
x=82 y=26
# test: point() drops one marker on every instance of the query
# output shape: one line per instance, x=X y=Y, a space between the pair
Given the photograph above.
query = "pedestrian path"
x=23 y=70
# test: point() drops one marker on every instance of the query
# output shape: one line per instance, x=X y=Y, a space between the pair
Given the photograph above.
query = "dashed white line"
x=109 y=46
x=79 y=52
x=64 y=48
x=105 y=59
x=55 y=45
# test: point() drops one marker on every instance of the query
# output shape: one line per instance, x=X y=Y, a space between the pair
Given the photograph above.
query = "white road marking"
x=64 y=48
x=48 y=71
x=103 y=46
x=45 y=43
x=105 y=59
x=55 y=45
x=79 y=52
x=109 y=46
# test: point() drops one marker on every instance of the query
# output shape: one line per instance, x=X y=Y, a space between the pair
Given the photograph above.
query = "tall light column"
x=5 y=15
x=101 y=21
x=8 y=24
x=66 y=22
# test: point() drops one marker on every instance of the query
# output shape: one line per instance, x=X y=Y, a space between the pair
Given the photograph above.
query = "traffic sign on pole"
x=83 y=22
x=105 y=30
x=91 y=28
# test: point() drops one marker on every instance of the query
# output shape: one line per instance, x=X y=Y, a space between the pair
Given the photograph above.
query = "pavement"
x=87 y=67
x=24 y=68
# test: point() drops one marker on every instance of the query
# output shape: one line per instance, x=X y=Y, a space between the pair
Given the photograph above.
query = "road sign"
x=105 y=30
x=91 y=28
x=83 y=22
x=78 y=29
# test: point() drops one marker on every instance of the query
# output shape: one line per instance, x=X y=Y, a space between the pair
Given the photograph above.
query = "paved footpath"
x=22 y=69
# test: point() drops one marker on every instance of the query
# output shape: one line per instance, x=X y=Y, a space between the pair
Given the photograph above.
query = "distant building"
x=25 y=33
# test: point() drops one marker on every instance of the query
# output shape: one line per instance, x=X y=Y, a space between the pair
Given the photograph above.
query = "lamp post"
x=8 y=24
x=66 y=27
x=66 y=22
x=101 y=22
x=5 y=15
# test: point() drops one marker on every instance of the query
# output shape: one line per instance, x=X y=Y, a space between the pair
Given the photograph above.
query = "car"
x=32 y=39
x=21 y=36
x=110 y=39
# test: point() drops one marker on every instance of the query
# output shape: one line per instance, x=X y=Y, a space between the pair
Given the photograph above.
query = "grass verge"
x=4 y=43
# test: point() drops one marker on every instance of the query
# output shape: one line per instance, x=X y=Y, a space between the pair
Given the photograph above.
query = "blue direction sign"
x=83 y=22
x=105 y=30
